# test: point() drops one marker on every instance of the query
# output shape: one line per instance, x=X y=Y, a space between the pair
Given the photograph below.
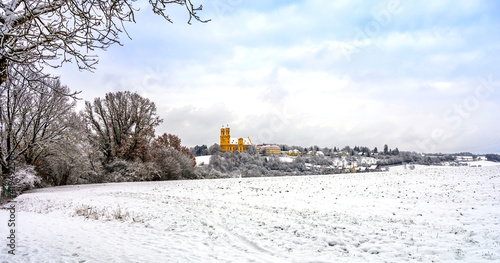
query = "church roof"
x=246 y=141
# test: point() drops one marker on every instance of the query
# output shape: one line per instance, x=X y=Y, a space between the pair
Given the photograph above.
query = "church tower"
x=228 y=144
x=225 y=138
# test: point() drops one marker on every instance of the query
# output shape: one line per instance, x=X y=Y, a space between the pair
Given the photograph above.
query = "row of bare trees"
x=111 y=139
x=34 y=114
x=121 y=126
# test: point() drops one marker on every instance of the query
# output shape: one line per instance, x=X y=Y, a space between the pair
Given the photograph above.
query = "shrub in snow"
x=128 y=171
x=173 y=165
x=95 y=213
x=214 y=174
x=169 y=165
x=87 y=177
x=65 y=169
x=170 y=169
x=25 y=178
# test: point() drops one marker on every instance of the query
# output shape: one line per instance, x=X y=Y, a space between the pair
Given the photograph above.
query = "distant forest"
x=250 y=164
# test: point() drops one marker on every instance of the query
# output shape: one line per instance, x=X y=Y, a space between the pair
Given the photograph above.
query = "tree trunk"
x=3 y=70
x=9 y=169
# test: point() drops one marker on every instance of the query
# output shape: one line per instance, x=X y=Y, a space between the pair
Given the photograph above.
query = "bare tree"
x=51 y=32
x=72 y=159
x=32 y=116
x=121 y=125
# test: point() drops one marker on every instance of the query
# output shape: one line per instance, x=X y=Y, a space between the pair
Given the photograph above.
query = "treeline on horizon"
x=251 y=164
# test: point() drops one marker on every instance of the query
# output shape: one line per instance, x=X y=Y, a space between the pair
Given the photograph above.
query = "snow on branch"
x=53 y=32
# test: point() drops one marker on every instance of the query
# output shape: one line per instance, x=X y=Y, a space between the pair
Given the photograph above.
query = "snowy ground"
x=439 y=214
x=203 y=160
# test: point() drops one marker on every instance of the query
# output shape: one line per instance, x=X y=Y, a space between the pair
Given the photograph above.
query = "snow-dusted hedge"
x=25 y=178
x=169 y=165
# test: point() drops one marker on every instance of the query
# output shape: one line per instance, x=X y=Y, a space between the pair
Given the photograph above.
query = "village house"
x=268 y=149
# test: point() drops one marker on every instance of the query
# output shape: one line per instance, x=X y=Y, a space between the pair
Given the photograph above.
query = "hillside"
x=439 y=214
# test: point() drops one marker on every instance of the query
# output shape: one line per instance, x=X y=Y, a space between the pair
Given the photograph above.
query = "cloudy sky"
x=418 y=76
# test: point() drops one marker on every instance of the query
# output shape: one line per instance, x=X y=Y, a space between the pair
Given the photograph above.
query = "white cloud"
x=265 y=66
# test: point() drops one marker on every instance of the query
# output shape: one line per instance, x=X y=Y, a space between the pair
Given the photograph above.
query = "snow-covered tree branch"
x=121 y=125
x=51 y=32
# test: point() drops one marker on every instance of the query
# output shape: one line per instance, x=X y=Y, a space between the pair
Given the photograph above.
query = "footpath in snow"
x=430 y=214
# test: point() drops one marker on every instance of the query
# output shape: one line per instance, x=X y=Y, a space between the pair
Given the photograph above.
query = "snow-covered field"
x=438 y=214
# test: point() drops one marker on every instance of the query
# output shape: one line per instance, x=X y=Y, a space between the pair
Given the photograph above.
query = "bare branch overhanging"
x=40 y=33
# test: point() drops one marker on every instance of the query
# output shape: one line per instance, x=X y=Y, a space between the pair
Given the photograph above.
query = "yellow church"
x=232 y=144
